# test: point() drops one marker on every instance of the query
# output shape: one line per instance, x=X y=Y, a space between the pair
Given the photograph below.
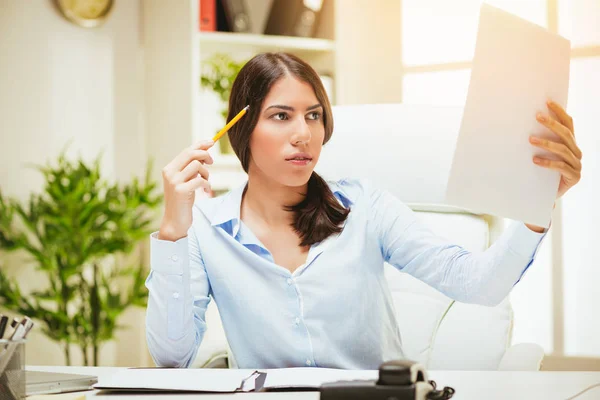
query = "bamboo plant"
x=79 y=232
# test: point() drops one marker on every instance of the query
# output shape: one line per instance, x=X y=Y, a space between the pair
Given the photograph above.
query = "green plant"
x=218 y=73
x=79 y=231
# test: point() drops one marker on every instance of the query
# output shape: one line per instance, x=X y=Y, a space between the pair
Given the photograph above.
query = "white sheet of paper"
x=517 y=66
x=303 y=377
x=176 y=379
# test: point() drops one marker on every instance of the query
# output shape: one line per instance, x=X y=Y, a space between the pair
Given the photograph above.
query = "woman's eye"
x=314 y=115
x=280 y=116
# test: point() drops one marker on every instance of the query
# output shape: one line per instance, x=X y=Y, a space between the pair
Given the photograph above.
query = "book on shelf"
x=294 y=17
x=208 y=15
x=232 y=16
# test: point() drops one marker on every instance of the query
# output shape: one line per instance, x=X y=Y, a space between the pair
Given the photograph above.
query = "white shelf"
x=255 y=42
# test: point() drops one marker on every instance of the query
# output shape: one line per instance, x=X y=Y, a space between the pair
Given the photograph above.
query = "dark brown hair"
x=319 y=214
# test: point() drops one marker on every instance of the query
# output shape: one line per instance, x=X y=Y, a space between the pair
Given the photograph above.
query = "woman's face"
x=287 y=140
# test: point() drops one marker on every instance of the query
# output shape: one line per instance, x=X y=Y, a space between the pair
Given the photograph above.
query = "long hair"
x=319 y=214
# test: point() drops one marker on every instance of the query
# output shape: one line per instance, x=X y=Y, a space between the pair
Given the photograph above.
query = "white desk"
x=489 y=385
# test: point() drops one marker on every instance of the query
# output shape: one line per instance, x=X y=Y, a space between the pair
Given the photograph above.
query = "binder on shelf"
x=294 y=17
x=208 y=15
x=232 y=16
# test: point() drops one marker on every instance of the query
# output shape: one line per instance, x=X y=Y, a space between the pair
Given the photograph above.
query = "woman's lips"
x=300 y=161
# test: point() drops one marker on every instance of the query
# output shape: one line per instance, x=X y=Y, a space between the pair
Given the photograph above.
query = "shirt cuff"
x=168 y=257
x=523 y=241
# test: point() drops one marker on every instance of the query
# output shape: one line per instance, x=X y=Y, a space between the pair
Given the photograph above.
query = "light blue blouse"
x=335 y=310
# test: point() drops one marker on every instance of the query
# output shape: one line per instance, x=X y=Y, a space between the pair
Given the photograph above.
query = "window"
x=581 y=216
x=424 y=20
x=443 y=87
x=579 y=20
x=438 y=42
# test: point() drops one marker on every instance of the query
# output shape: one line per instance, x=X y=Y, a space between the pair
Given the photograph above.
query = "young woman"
x=295 y=263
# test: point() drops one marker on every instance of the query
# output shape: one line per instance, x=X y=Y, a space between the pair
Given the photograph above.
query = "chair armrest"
x=218 y=360
x=522 y=357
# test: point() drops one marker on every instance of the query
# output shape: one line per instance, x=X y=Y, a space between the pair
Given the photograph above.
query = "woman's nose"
x=302 y=133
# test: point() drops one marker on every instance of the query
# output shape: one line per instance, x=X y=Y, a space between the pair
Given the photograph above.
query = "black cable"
x=448 y=392
x=585 y=390
x=444 y=394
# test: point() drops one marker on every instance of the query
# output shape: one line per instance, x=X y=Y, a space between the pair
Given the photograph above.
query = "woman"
x=294 y=263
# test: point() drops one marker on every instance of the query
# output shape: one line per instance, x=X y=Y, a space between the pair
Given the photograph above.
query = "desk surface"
x=490 y=385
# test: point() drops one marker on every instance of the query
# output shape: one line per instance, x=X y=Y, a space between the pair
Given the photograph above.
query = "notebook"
x=226 y=380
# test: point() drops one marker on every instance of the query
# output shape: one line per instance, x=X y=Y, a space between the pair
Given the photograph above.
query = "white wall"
x=368 y=55
x=60 y=82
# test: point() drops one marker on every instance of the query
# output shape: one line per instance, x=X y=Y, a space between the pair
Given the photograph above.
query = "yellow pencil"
x=230 y=124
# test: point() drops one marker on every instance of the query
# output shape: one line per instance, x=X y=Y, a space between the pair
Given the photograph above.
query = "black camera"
x=398 y=380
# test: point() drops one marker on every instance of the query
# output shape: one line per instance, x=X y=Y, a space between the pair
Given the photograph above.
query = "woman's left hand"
x=570 y=155
x=569 y=164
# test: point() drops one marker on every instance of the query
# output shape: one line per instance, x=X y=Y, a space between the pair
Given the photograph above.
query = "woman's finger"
x=186 y=156
x=557 y=148
x=565 y=169
x=194 y=184
x=562 y=131
x=192 y=170
x=562 y=115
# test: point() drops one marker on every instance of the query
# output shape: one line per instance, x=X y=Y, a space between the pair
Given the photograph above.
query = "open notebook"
x=227 y=380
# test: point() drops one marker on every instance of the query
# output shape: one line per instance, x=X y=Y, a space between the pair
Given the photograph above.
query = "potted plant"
x=79 y=232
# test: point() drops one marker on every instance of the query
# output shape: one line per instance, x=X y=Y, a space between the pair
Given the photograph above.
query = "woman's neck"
x=267 y=200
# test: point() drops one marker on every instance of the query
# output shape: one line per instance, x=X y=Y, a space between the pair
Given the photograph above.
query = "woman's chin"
x=299 y=178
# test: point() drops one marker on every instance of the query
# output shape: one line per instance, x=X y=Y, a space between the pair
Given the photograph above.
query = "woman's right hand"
x=181 y=178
